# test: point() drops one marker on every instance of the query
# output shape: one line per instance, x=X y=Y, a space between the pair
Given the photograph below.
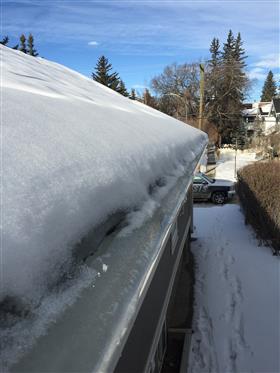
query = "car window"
x=198 y=180
x=209 y=179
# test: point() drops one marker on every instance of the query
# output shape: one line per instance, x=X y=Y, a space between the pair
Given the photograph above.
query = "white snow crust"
x=73 y=152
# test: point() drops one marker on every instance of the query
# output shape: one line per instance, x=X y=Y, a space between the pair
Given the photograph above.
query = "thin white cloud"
x=151 y=28
x=147 y=28
x=139 y=86
x=277 y=77
x=269 y=61
x=259 y=69
x=257 y=73
x=93 y=43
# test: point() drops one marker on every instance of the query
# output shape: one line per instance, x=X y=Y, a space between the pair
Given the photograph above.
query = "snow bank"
x=73 y=152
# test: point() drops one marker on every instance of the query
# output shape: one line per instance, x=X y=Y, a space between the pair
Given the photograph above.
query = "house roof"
x=276 y=104
x=249 y=112
x=247 y=105
x=265 y=107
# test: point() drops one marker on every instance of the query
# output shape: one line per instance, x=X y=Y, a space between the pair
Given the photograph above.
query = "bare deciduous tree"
x=178 y=90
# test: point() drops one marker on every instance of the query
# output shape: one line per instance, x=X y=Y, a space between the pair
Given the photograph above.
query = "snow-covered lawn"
x=237 y=300
x=226 y=164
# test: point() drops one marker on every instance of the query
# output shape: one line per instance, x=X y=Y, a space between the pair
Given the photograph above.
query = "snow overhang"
x=75 y=153
x=91 y=332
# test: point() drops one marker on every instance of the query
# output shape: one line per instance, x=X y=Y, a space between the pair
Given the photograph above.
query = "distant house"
x=264 y=108
x=272 y=120
x=275 y=108
x=250 y=113
x=262 y=116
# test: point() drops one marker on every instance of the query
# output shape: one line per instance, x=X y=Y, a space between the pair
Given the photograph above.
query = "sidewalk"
x=237 y=300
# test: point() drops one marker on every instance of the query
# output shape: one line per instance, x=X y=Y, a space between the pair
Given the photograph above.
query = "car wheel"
x=219 y=198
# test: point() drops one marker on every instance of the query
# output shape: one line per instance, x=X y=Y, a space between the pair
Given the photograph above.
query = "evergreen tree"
x=269 y=89
x=104 y=76
x=5 y=40
x=215 y=53
x=241 y=79
x=239 y=136
x=213 y=82
x=234 y=82
x=122 y=89
x=132 y=94
x=229 y=48
x=30 y=43
x=22 y=46
x=226 y=84
x=239 y=52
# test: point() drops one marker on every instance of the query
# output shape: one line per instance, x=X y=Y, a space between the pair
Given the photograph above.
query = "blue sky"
x=141 y=37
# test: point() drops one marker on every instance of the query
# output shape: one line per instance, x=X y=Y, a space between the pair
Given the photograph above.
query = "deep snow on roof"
x=248 y=112
x=73 y=152
x=265 y=107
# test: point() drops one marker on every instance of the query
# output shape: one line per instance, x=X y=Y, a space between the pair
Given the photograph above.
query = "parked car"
x=216 y=190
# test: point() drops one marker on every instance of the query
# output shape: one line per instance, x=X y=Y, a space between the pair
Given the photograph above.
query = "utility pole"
x=200 y=123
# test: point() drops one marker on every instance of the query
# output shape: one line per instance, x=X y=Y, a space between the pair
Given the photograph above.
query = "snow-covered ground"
x=237 y=299
x=226 y=163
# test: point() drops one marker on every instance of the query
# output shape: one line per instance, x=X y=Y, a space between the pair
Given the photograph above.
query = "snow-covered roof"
x=262 y=108
x=249 y=112
x=276 y=104
x=84 y=327
x=265 y=107
x=73 y=153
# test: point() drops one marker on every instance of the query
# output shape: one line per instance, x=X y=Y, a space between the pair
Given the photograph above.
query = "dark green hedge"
x=258 y=188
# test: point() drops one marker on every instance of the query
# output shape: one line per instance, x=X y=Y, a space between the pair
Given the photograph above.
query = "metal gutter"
x=90 y=334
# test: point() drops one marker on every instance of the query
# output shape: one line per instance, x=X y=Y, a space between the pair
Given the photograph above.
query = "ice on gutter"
x=105 y=310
